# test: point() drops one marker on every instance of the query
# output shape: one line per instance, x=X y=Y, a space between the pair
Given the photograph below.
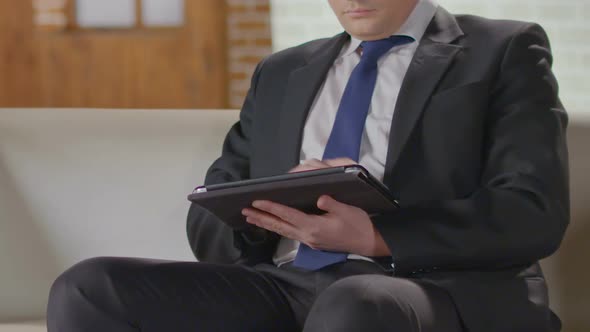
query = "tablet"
x=352 y=185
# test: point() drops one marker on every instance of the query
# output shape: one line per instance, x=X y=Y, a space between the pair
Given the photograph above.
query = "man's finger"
x=329 y=204
x=302 y=168
x=340 y=162
x=309 y=164
x=290 y=215
x=315 y=163
x=272 y=223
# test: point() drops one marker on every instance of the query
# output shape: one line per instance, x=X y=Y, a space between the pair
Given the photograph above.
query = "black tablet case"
x=351 y=185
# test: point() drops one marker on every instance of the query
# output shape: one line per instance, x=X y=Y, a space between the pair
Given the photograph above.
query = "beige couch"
x=78 y=183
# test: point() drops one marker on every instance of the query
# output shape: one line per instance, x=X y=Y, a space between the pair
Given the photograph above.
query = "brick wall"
x=297 y=21
x=249 y=37
x=50 y=15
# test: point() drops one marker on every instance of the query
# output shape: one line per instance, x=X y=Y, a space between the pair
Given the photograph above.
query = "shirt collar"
x=414 y=26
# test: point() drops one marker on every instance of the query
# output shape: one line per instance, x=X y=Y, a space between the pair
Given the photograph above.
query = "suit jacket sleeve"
x=210 y=239
x=520 y=211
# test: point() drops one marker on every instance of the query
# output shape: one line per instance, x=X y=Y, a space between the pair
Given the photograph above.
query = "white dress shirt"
x=392 y=69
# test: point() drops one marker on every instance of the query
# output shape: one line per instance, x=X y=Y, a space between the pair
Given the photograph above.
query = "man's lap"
x=156 y=295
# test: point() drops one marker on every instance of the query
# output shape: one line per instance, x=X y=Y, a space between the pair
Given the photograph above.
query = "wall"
x=297 y=21
x=81 y=183
x=249 y=40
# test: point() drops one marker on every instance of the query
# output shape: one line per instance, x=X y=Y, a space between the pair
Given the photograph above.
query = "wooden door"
x=19 y=65
x=182 y=67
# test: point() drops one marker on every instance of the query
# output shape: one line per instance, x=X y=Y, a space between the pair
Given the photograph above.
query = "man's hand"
x=312 y=164
x=343 y=228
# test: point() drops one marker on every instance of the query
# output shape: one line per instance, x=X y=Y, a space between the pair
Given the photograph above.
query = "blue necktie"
x=347 y=132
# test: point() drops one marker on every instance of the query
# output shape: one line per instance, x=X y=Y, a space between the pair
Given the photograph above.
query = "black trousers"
x=125 y=294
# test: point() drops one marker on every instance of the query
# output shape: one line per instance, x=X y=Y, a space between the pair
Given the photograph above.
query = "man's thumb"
x=329 y=204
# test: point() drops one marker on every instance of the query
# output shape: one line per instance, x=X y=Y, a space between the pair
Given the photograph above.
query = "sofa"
x=80 y=183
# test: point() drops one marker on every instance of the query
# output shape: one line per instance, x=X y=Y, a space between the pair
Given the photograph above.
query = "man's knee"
x=84 y=284
x=84 y=276
x=360 y=303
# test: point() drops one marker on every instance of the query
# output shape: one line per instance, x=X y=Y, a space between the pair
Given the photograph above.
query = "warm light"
x=164 y=13
x=50 y=14
x=106 y=13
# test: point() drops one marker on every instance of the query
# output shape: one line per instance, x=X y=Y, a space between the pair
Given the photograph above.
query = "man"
x=459 y=116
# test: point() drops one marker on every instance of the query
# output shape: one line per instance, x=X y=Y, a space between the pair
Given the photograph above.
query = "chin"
x=365 y=31
x=367 y=35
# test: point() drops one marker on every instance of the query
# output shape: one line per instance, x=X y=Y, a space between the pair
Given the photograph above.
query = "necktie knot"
x=375 y=49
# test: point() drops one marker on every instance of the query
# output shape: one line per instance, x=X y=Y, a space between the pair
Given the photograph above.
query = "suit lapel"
x=303 y=85
x=429 y=65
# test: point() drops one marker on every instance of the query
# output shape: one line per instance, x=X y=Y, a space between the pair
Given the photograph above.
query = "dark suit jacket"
x=477 y=158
